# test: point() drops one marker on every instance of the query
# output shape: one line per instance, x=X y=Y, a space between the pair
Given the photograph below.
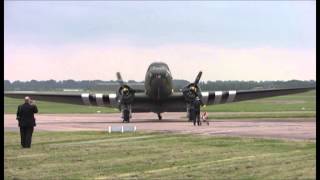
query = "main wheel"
x=189 y=116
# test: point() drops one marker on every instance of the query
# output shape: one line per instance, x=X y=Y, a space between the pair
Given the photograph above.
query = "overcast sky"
x=235 y=40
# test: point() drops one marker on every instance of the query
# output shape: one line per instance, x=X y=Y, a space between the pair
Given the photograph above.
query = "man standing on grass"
x=25 y=116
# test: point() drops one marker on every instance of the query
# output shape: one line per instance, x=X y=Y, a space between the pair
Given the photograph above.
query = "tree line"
x=98 y=85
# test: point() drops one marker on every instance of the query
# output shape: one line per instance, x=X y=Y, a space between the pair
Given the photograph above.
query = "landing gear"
x=189 y=113
x=159 y=116
x=126 y=113
x=189 y=116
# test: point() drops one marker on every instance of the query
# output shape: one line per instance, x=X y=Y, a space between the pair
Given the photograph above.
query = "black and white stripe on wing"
x=95 y=99
x=220 y=97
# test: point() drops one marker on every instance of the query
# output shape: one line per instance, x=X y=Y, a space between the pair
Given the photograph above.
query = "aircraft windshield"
x=158 y=65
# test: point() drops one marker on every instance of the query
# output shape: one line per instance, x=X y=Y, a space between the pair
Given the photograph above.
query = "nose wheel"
x=159 y=116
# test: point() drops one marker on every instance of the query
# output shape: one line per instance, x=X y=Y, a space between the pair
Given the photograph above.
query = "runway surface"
x=279 y=128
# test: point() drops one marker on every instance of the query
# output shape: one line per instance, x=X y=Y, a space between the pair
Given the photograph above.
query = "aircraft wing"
x=78 y=99
x=220 y=97
x=142 y=103
x=176 y=102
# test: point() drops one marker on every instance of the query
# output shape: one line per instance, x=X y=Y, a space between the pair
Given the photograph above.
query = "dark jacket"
x=197 y=105
x=25 y=115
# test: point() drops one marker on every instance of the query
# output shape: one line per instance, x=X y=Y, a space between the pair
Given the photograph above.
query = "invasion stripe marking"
x=99 y=99
x=205 y=96
x=232 y=95
x=217 y=97
x=112 y=98
x=224 y=97
x=85 y=98
x=92 y=100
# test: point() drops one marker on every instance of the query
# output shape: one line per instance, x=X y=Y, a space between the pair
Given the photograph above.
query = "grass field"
x=97 y=155
x=297 y=105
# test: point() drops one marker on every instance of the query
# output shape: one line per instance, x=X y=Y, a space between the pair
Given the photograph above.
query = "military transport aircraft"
x=158 y=96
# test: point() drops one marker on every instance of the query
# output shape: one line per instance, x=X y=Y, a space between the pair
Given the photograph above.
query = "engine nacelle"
x=125 y=94
x=191 y=91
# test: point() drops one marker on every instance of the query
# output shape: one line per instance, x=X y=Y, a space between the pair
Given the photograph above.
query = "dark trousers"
x=197 y=118
x=26 y=136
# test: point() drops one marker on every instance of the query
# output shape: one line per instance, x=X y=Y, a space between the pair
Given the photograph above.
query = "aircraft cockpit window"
x=158 y=66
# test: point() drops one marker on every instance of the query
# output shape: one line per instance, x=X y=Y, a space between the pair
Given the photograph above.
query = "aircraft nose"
x=158 y=74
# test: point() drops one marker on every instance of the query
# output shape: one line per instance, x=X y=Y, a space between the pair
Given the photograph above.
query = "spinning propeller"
x=125 y=93
x=192 y=90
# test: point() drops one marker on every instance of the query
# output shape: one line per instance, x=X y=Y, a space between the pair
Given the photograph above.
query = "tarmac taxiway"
x=279 y=128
